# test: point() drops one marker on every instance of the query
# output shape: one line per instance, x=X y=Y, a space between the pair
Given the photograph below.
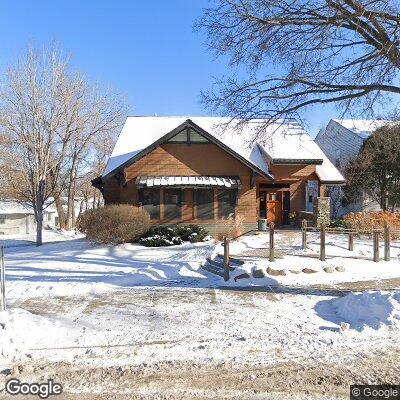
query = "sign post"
x=2 y=281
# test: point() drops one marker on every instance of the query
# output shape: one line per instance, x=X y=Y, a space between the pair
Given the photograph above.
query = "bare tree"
x=335 y=195
x=303 y=52
x=51 y=121
x=32 y=117
x=96 y=118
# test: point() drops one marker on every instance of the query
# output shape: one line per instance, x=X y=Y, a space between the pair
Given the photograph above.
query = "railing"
x=323 y=231
x=386 y=231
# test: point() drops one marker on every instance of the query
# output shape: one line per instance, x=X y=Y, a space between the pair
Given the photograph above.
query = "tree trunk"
x=71 y=196
x=39 y=227
x=60 y=211
x=39 y=205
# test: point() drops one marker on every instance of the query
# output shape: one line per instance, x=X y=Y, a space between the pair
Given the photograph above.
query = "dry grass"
x=229 y=227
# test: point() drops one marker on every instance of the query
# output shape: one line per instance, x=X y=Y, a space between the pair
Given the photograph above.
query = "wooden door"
x=274 y=207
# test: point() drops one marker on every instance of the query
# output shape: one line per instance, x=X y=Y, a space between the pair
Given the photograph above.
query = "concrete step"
x=232 y=260
x=214 y=270
x=219 y=264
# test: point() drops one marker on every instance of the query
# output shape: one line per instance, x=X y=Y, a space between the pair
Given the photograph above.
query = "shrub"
x=229 y=227
x=161 y=235
x=337 y=223
x=372 y=220
x=119 y=223
x=159 y=240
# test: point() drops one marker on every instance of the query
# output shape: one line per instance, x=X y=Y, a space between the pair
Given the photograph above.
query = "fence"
x=387 y=232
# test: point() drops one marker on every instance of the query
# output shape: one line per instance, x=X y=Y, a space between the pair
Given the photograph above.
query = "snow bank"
x=20 y=330
x=369 y=309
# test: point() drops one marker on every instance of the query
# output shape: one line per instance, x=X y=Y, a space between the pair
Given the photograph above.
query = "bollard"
x=226 y=259
x=351 y=241
x=271 y=241
x=304 y=234
x=376 y=246
x=322 y=243
x=386 y=234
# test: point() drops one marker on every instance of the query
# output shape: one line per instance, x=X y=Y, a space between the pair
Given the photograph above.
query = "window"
x=197 y=138
x=172 y=203
x=227 y=202
x=272 y=196
x=180 y=137
x=204 y=200
x=2 y=219
x=188 y=136
x=150 y=200
x=263 y=205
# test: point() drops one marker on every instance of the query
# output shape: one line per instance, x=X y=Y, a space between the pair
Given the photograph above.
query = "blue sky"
x=145 y=49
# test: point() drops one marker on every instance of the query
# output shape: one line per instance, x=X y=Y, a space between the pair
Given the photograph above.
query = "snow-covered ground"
x=90 y=304
x=69 y=265
x=49 y=236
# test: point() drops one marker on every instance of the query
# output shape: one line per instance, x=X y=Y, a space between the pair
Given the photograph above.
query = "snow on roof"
x=15 y=207
x=280 y=140
x=362 y=127
x=140 y=132
x=10 y=206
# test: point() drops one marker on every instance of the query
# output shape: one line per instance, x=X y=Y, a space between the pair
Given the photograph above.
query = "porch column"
x=322 y=190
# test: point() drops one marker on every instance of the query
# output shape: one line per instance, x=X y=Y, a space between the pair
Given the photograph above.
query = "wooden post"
x=226 y=259
x=386 y=235
x=271 y=241
x=2 y=281
x=351 y=241
x=322 y=243
x=304 y=234
x=376 y=245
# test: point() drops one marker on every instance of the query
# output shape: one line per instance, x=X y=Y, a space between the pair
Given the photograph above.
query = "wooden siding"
x=171 y=159
x=296 y=176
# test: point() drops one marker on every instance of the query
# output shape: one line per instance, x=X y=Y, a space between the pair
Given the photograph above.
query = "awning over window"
x=188 y=181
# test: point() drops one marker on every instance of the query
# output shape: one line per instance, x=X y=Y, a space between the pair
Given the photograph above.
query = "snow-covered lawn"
x=90 y=304
x=74 y=266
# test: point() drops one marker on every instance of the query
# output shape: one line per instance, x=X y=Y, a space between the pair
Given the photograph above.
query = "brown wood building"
x=188 y=174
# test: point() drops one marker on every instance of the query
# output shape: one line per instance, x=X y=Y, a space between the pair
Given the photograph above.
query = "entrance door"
x=274 y=207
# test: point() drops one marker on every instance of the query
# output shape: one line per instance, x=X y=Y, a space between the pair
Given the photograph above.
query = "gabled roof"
x=151 y=132
x=363 y=128
x=252 y=143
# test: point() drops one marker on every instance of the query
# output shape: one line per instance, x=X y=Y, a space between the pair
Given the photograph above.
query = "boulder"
x=340 y=269
x=329 y=270
x=241 y=276
x=276 y=272
x=309 y=271
x=344 y=326
x=258 y=273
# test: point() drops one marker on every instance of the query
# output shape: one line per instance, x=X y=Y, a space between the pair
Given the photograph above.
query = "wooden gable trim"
x=188 y=124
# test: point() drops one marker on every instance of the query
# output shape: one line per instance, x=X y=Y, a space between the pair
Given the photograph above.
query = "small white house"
x=341 y=140
x=17 y=217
